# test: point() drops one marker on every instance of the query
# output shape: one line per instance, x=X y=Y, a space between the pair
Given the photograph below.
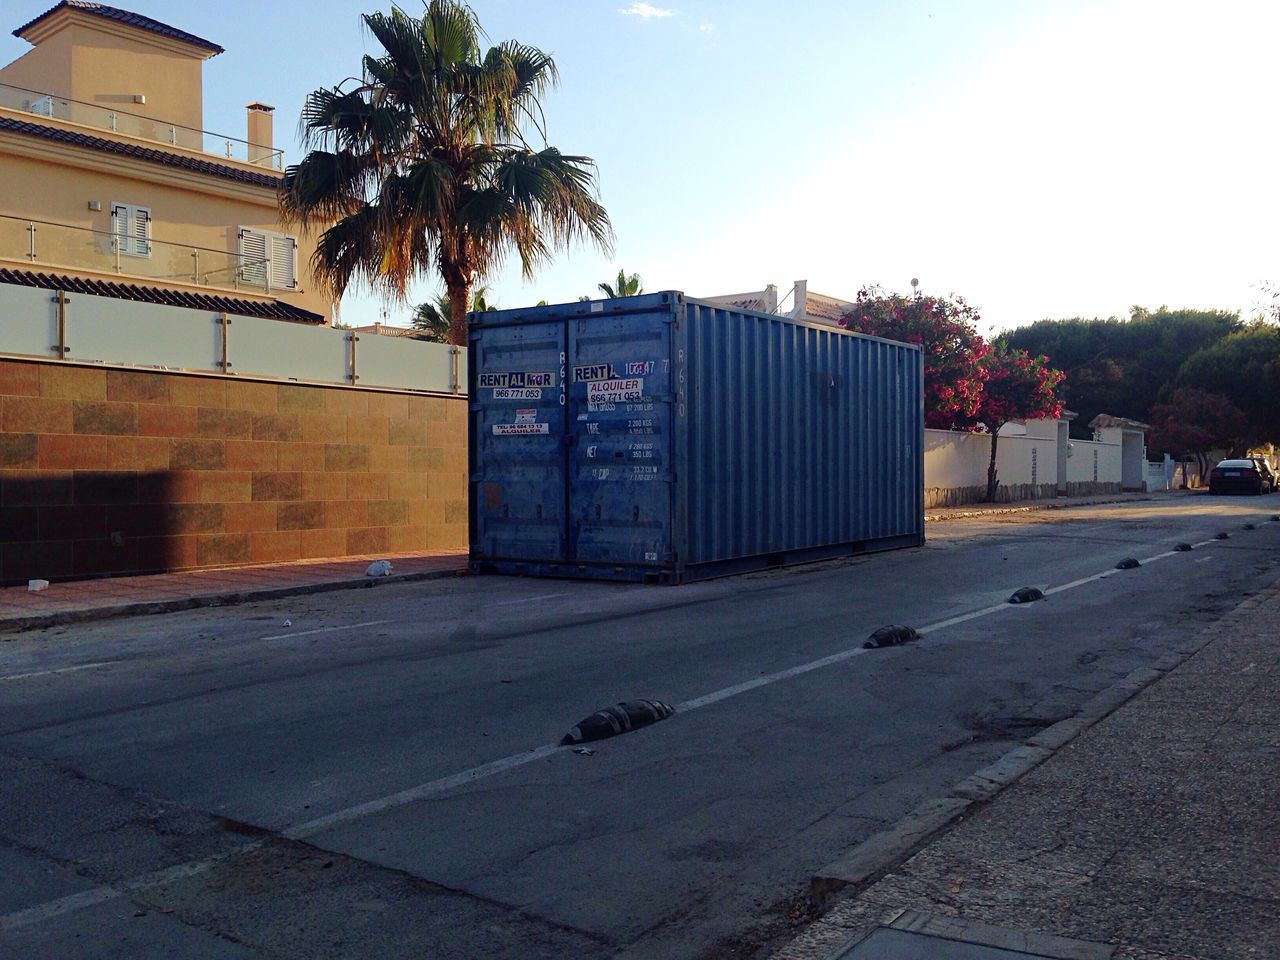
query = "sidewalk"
x=935 y=514
x=81 y=600
x=1152 y=835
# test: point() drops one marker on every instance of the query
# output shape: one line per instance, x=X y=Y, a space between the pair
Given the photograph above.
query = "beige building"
x=109 y=185
x=799 y=303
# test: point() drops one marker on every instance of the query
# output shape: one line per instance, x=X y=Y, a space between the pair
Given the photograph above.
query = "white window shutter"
x=141 y=232
x=253 y=257
x=121 y=220
x=284 y=255
x=131 y=229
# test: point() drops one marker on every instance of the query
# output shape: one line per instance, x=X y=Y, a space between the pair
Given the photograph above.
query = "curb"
x=881 y=852
x=1047 y=505
x=40 y=621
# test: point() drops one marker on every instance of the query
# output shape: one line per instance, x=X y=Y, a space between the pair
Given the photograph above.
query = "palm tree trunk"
x=459 y=300
x=993 y=482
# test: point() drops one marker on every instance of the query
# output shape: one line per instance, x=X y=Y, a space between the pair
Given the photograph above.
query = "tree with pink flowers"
x=1018 y=386
x=1192 y=423
x=946 y=331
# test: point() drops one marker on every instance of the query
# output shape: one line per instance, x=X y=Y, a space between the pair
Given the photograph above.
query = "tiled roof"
x=1104 y=420
x=126 y=17
x=273 y=310
x=142 y=153
x=826 y=308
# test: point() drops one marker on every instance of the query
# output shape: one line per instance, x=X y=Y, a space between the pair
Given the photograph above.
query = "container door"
x=620 y=420
x=518 y=435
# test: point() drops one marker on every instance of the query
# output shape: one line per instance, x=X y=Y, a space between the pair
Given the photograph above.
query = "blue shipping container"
x=664 y=439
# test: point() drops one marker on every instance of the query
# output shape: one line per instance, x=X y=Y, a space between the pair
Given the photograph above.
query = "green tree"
x=432 y=317
x=624 y=286
x=423 y=165
x=1121 y=367
x=1244 y=367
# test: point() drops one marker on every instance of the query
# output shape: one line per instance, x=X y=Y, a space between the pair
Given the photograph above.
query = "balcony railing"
x=144 y=128
x=59 y=245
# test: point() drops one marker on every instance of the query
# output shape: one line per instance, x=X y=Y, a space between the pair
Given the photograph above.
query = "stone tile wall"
x=119 y=471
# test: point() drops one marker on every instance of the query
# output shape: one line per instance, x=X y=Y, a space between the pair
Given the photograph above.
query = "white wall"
x=1091 y=462
x=955 y=466
x=126 y=333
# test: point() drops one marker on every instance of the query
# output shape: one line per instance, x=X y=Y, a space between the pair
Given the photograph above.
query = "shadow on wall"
x=86 y=524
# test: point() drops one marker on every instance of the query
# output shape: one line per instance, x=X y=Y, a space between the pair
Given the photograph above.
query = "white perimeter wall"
x=126 y=333
x=955 y=466
x=1087 y=455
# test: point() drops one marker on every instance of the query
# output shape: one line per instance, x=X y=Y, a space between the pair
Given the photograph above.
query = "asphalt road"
x=377 y=778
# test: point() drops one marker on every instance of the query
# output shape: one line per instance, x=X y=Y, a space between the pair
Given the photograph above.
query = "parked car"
x=1241 y=476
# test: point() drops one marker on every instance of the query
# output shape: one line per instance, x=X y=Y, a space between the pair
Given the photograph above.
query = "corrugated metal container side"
x=660 y=438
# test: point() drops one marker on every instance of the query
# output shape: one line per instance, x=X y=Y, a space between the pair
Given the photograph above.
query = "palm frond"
x=422 y=165
x=531 y=73
x=344 y=253
x=451 y=33
x=325 y=186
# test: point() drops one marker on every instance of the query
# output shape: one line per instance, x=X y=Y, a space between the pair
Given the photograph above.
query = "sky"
x=1040 y=158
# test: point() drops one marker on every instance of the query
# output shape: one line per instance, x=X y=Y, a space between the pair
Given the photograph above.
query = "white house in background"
x=799 y=303
x=387 y=330
x=1131 y=435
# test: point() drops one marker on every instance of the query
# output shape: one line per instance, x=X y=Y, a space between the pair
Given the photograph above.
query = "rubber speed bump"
x=620 y=718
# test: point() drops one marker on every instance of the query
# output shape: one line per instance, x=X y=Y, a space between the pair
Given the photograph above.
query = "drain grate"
x=912 y=935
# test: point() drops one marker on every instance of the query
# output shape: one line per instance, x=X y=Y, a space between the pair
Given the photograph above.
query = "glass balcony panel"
x=14 y=239
x=57 y=245
x=143 y=128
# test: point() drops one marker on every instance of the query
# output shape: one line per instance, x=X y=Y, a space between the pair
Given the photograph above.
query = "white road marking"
x=965 y=617
x=49 y=673
x=307 y=633
x=545 y=596
x=726 y=692
x=1204 y=559
x=312 y=827
x=89 y=898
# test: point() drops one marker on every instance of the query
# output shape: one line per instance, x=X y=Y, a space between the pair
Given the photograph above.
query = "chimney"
x=800 y=304
x=261 y=148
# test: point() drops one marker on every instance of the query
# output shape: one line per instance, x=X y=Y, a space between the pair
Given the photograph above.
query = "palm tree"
x=626 y=286
x=431 y=317
x=423 y=165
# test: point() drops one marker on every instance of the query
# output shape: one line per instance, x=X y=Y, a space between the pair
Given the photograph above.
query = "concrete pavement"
x=83 y=600
x=1152 y=835
x=348 y=785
